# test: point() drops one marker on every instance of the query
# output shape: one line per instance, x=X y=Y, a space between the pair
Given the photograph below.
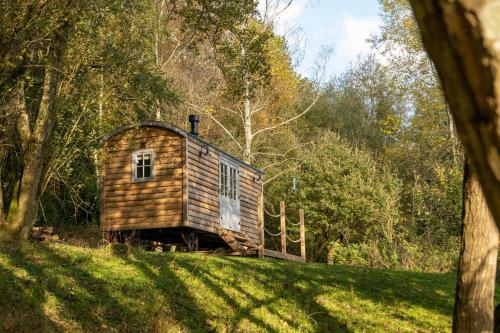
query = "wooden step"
x=237 y=241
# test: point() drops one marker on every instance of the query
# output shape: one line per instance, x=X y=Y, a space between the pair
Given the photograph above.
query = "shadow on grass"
x=302 y=298
x=55 y=289
x=394 y=289
x=55 y=286
x=174 y=291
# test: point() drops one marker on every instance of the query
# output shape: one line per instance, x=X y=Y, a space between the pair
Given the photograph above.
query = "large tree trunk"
x=8 y=125
x=23 y=210
x=462 y=38
x=477 y=267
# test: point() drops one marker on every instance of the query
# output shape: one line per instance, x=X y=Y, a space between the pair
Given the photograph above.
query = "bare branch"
x=217 y=122
x=288 y=120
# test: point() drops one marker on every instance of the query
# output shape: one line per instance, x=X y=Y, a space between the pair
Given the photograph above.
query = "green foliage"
x=56 y=287
x=345 y=194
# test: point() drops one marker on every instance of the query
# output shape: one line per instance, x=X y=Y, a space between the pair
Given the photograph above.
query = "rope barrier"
x=294 y=224
x=270 y=233
x=293 y=241
x=271 y=215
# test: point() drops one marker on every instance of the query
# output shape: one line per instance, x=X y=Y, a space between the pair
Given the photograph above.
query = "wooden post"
x=283 y=227
x=260 y=216
x=302 y=235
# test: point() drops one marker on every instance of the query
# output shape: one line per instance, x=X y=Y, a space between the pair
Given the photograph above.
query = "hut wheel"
x=192 y=242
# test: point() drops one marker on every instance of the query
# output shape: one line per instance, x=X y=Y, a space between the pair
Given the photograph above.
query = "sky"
x=340 y=25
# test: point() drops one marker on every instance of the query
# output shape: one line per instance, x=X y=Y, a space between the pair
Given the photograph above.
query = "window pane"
x=140 y=172
x=234 y=185
x=147 y=159
x=139 y=160
x=230 y=181
x=225 y=180
x=147 y=171
x=233 y=179
x=221 y=179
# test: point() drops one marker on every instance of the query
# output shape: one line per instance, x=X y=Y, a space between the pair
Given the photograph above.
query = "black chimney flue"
x=194 y=119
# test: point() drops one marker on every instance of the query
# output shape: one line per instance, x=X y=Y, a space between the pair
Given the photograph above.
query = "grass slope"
x=50 y=288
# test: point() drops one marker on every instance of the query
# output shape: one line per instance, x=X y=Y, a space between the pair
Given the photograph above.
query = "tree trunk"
x=10 y=113
x=247 y=124
x=23 y=210
x=330 y=251
x=453 y=138
x=462 y=38
x=477 y=267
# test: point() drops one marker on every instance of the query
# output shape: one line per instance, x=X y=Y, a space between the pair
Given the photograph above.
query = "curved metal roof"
x=179 y=131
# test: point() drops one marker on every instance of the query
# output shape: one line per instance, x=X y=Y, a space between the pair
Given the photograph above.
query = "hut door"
x=229 y=195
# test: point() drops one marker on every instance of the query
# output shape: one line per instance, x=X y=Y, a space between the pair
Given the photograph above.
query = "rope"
x=272 y=215
x=295 y=224
x=270 y=233
x=291 y=240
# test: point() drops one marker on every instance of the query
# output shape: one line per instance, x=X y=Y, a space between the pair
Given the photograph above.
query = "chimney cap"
x=194 y=119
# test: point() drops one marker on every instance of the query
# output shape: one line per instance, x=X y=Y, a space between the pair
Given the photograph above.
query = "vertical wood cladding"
x=203 y=187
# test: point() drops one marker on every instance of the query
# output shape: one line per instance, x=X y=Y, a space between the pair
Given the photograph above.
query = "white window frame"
x=229 y=180
x=134 y=165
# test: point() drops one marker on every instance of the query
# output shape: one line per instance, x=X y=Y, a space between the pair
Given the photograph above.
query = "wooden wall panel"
x=203 y=187
x=143 y=205
x=250 y=190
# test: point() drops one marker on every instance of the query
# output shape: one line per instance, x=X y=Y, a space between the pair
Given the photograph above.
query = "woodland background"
x=377 y=164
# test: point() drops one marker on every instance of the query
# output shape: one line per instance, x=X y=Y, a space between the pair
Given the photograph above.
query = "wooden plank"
x=151 y=209
x=250 y=213
x=212 y=177
x=279 y=255
x=251 y=233
x=195 y=221
x=210 y=180
x=202 y=227
x=196 y=182
x=206 y=199
x=202 y=208
x=248 y=220
x=122 y=163
x=206 y=205
x=201 y=216
x=283 y=227
x=248 y=200
x=121 y=213
x=302 y=235
x=138 y=220
x=148 y=225
x=194 y=155
x=129 y=181
x=204 y=193
x=222 y=253
x=145 y=202
x=154 y=192
x=203 y=168
x=143 y=185
x=158 y=172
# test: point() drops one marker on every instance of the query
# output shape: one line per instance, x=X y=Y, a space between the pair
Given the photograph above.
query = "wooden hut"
x=172 y=186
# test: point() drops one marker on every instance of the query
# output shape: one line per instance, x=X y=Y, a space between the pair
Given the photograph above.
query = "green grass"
x=53 y=287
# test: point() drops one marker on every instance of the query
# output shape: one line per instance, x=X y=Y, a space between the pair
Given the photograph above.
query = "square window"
x=142 y=165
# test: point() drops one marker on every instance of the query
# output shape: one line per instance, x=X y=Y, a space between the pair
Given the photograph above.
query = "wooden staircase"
x=239 y=242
